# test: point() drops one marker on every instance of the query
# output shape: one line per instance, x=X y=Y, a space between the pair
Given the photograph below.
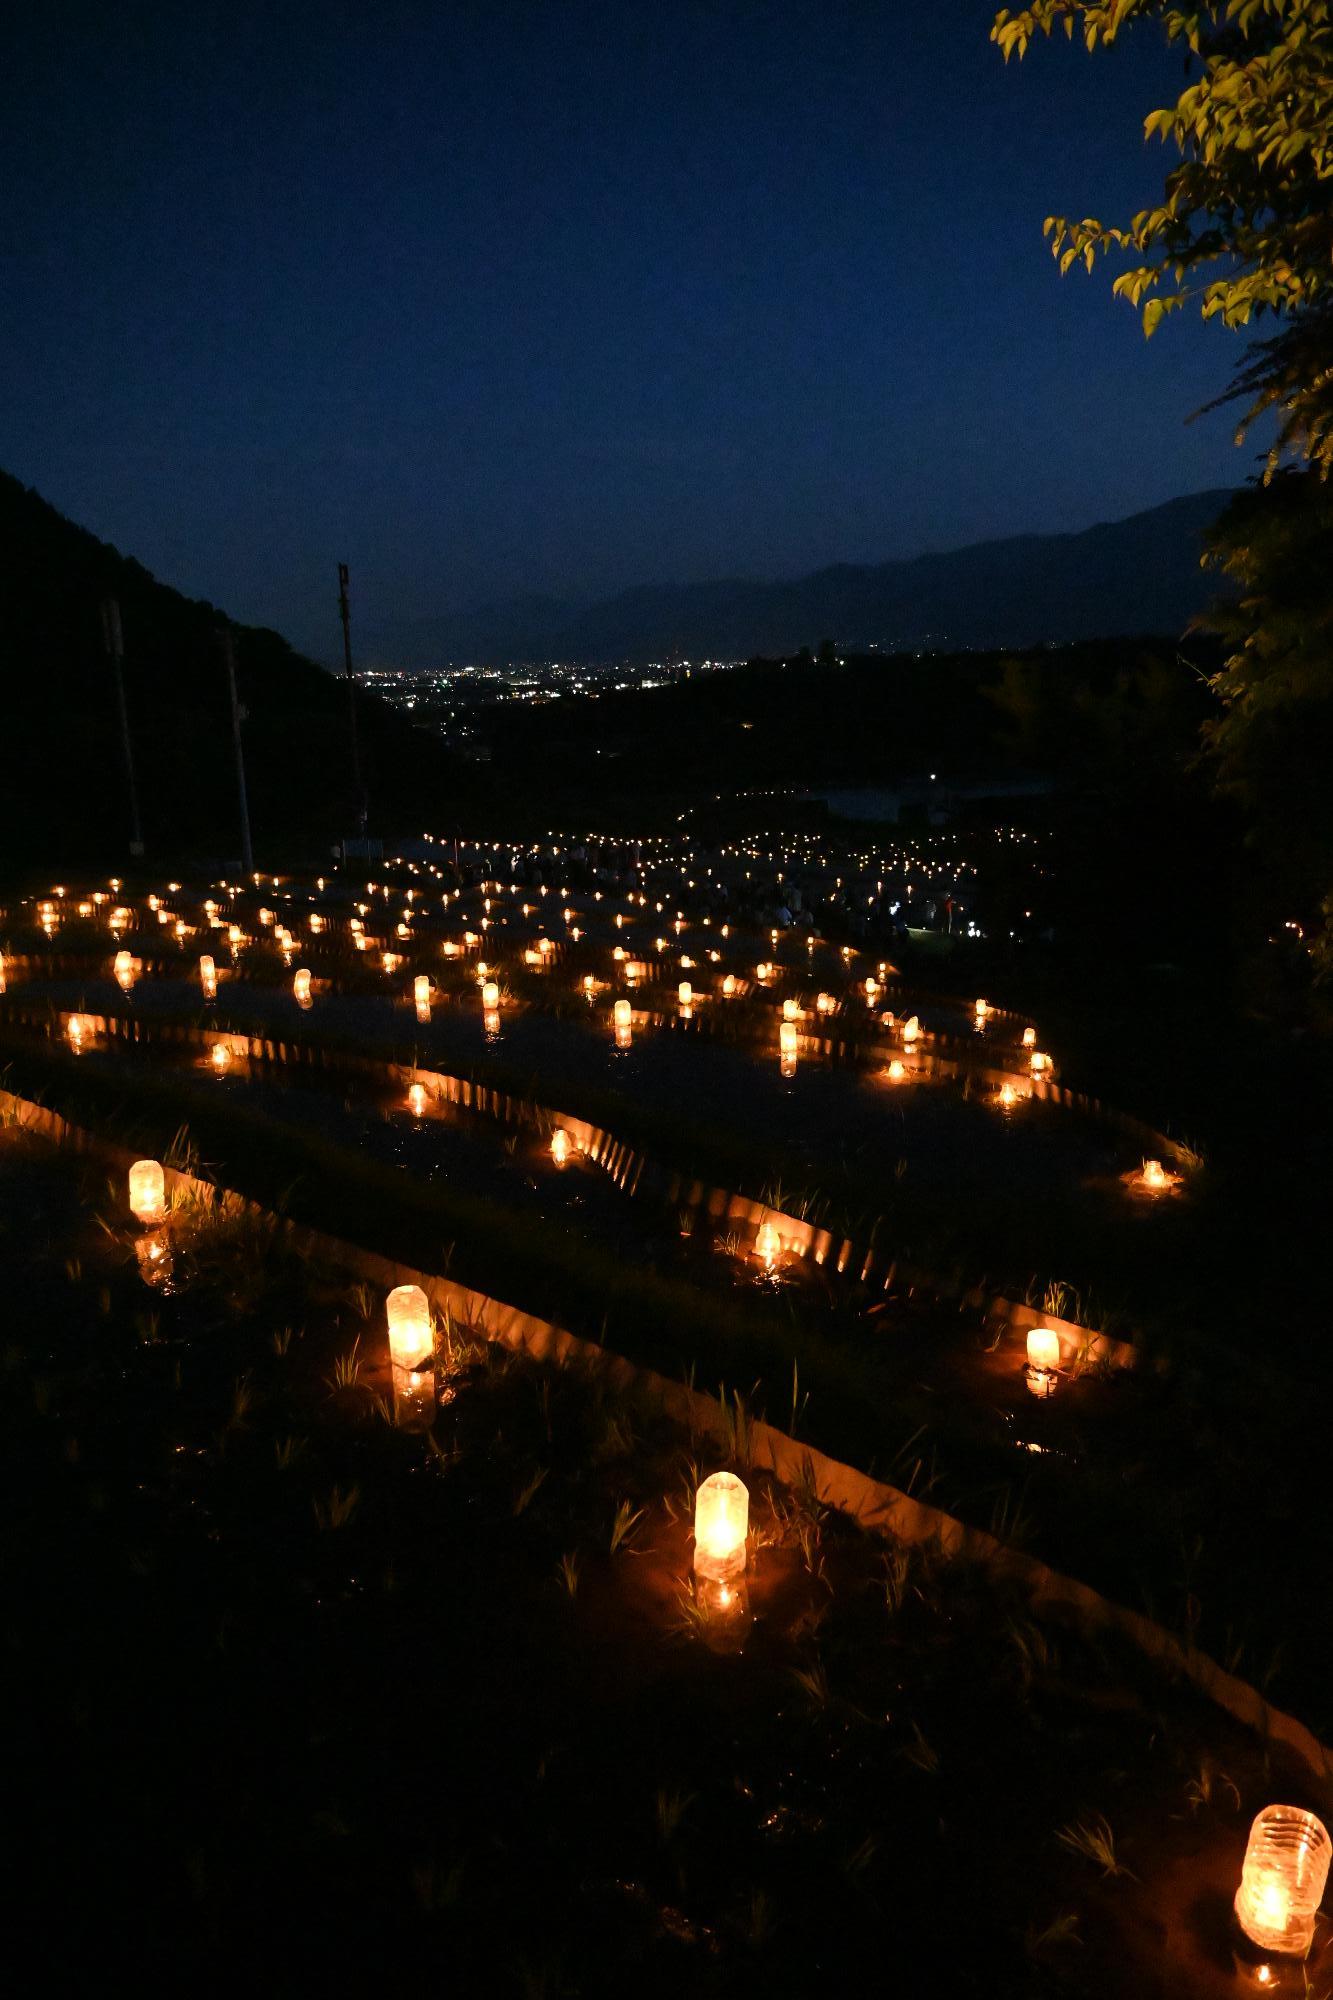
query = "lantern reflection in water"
x=1282 y=1880
x=156 y=1263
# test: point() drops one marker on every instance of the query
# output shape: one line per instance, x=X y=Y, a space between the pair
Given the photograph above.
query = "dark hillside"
x=65 y=794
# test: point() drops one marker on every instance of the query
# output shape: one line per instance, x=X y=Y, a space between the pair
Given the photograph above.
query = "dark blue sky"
x=503 y=297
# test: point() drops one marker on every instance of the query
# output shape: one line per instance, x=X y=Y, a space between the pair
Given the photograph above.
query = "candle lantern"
x=721 y=1523
x=1043 y=1352
x=490 y=996
x=1155 y=1176
x=148 y=1191
x=421 y=990
x=560 y=1145
x=301 y=987
x=768 y=1245
x=897 y=1071
x=685 y=995
x=911 y=1028
x=791 y=1010
x=1282 y=1880
x=208 y=977
x=124 y=970
x=729 y=985
x=411 y=1333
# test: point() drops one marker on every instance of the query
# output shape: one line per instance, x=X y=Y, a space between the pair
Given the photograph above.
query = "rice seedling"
x=1093 y=1840
x=624 y=1524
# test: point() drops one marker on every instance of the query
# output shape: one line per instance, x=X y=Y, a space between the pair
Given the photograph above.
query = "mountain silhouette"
x=1140 y=574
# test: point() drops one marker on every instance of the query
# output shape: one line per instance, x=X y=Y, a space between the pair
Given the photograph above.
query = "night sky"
x=496 y=298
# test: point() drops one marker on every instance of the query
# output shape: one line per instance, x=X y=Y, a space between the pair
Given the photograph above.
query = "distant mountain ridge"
x=1140 y=574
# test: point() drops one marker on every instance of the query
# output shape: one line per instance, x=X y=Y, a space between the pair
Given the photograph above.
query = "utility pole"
x=115 y=648
x=360 y=802
x=237 y=718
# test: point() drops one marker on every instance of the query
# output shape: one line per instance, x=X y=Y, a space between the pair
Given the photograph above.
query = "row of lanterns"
x=1286 y=1865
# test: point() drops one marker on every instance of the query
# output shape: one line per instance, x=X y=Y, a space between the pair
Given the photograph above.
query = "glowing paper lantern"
x=416 y=1098
x=1282 y=1880
x=560 y=1145
x=1043 y=1351
x=220 y=1057
x=411 y=1331
x=208 y=978
x=911 y=1028
x=301 y=987
x=729 y=985
x=1038 y=1062
x=1008 y=1097
x=685 y=993
x=124 y=970
x=490 y=996
x=148 y=1191
x=721 y=1524
x=1043 y=1347
x=791 y=1010
x=623 y=1013
x=897 y=1071
x=421 y=992
x=825 y=1004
